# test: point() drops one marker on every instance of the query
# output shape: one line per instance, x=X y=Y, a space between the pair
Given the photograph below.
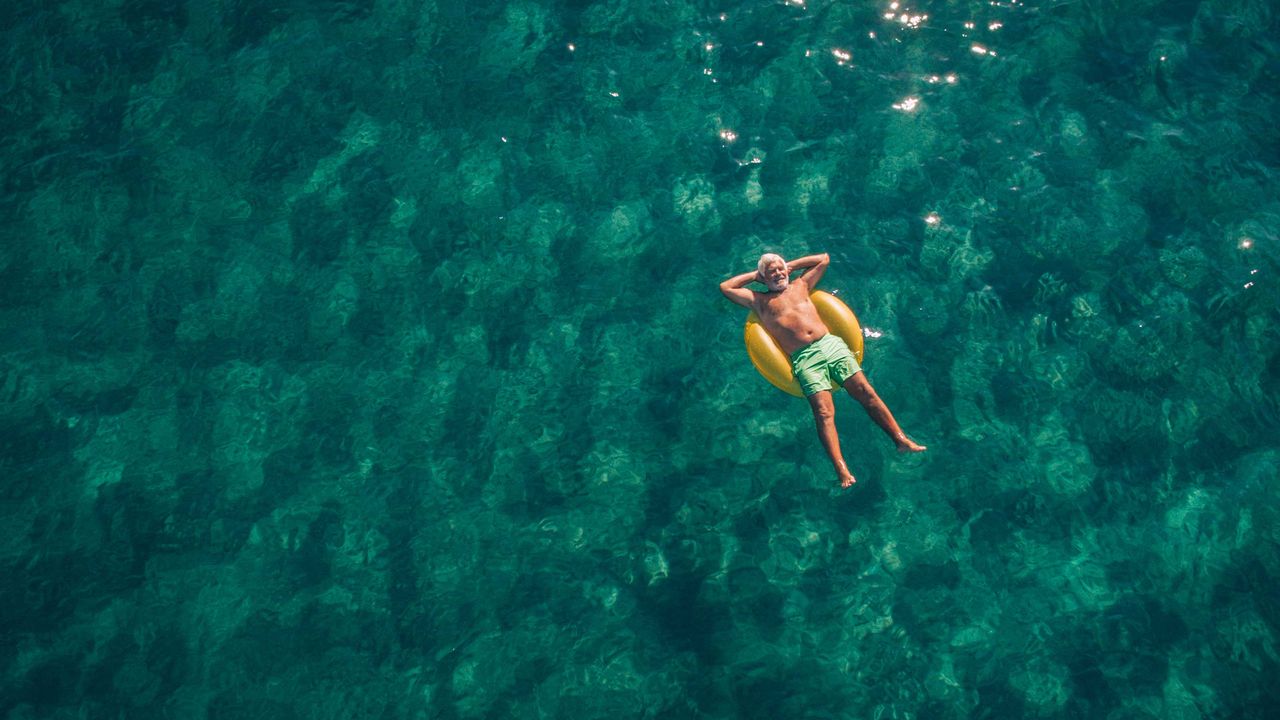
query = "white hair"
x=768 y=259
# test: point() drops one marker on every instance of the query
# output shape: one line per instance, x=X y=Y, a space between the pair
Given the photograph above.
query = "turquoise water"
x=365 y=360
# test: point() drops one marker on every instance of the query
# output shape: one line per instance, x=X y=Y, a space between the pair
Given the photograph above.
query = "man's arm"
x=817 y=264
x=735 y=288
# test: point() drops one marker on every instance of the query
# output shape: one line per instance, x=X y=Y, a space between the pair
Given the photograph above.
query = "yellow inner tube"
x=775 y=365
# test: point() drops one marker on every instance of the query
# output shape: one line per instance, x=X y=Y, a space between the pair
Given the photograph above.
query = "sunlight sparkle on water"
x=907 y=104
x=728 y=135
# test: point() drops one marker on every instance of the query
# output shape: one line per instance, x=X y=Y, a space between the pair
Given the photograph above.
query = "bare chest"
x=786 y=303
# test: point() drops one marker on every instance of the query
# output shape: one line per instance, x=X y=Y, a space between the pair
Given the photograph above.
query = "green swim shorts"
x=823 y=362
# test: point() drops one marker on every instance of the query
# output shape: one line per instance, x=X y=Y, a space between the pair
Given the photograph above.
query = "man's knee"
x=823 y=408
x=860 y=388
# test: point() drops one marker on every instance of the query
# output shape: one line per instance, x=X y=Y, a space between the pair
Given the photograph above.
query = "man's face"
x=776 y=275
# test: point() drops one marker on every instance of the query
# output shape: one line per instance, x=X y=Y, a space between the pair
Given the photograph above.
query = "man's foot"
x=907 y=445
x=846 y=479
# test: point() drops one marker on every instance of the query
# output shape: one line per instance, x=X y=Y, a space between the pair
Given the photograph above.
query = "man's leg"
x=860 y=389
x=824 y=415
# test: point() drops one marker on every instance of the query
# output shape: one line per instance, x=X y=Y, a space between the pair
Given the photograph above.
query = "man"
x=819 y=359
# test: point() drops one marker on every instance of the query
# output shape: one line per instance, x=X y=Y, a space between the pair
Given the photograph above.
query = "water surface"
x=365 y=359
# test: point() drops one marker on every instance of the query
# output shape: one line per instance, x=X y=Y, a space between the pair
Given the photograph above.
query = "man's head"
x=773 y=271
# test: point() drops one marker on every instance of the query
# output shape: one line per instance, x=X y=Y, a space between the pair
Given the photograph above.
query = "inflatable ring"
x=775 y=365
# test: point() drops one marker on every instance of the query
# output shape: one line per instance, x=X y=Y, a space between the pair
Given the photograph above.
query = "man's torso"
x=790 y=316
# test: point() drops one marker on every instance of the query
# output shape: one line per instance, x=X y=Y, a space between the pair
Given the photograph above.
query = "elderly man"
x=819 y=359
